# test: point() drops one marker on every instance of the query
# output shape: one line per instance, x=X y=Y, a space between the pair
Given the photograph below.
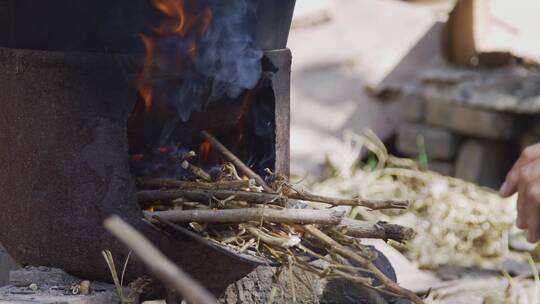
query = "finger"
x=529 y=154
x=521 y=221
x=528 y=192
x=533 y=223
x=531 y=204
x=530 y=173
x=535 y=237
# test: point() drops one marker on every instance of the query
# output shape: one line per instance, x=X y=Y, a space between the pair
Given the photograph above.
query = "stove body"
x=66 y=104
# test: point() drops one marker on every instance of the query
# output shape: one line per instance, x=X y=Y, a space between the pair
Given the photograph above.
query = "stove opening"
x=202 y=72
x=159 y=142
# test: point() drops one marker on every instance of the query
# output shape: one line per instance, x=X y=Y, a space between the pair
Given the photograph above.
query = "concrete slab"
x=476 y=159
x=471 y=121
x=43 y=285
x=311 y=12
x=332 y=63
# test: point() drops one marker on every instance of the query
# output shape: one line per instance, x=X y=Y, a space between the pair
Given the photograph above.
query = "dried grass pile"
x=457 y=222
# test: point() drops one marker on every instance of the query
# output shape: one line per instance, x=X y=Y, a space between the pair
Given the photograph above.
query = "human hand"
x=524 y=178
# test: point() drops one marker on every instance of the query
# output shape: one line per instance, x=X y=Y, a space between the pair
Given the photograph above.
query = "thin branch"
x=174 y=183
x=363 y=262
x=379 y=230
x=374 y=205
x=205 y=195
x=284 y=216
x=169 y=273
x=236 y=161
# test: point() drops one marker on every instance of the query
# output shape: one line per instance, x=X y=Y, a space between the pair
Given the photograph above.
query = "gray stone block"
x=439 y=143
x=448 y=75
x=484 y=162
x=413 y=107
x=309 y=289
x=444 y=168
x=528 y=139
x=510 y=89
x=40 y=276
x=257 y=286
x=7 y=264
x=45 y=285
x=24 y=295
x=472 y=121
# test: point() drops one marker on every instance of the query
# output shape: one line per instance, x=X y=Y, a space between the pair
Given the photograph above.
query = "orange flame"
x=136 y=157
x=145 y=86
x=177 y=16
x=204 y=149
x=163 y=150
x=179 y=21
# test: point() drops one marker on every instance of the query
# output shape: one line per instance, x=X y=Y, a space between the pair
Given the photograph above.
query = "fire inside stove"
x=212 y=67
x=209 y=65
x=201 y=72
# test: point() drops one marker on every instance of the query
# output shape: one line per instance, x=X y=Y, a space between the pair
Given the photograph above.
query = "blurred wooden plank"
x=459 y=43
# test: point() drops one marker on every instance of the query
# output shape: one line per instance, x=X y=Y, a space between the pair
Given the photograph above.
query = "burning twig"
x=172 y=276
x=374 y=205
x=174 y=183
x=363 y=262
x=205 y=195
x=198 y=172
x=284 y=216
x=236 y=161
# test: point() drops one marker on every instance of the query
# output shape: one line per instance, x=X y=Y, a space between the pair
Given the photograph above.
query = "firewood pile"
x=235 y=208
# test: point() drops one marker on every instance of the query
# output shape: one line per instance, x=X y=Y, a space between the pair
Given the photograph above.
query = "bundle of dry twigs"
x=272 y=219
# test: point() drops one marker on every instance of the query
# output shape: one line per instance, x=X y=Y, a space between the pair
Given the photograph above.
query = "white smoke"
x=226 y=62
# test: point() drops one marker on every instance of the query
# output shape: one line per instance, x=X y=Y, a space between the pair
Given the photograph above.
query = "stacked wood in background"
x=471 y=123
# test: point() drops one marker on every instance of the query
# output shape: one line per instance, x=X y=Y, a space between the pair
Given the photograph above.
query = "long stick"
x=236 y=161
x=350 y=227
x=363 y=262
x=380 y=230
x=284 y=216
x=374 y=205
x=204 y=195
x=248 y=196
x=172 y=276
x=174 y=183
